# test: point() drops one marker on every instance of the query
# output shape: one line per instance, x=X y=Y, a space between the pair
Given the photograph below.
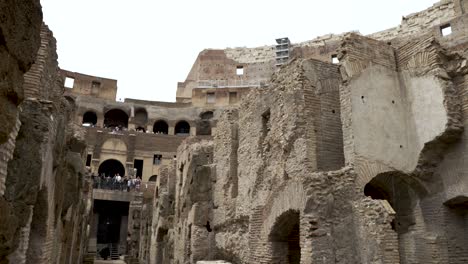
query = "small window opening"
x=240 y=70
x=446 y=30
x=157 y=159
x=69 y=82
x=88 y=160
x=95 y=84
x=210 y=98
x=335 y=59
x=141 y=129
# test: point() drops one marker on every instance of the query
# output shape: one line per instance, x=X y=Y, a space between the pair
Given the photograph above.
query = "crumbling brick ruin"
x=358 y=162
x=342 y=149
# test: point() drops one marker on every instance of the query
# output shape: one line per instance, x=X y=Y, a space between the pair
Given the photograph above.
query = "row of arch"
x=118 y=118
x=113 y=167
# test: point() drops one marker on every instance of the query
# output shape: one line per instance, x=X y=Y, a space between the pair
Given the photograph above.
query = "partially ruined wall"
x=361 y=162
x=45 y=201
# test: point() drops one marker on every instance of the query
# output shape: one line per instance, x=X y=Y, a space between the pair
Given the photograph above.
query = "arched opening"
x=396 y=190
x=285 y=237
x=153 y=178
x=141 y=117
x=116 y=118
x=207 y=115
x=456 y=227
x=182 y=128
x=111 y=167
x=160 y=127
x=402 y=193
x=89 y=119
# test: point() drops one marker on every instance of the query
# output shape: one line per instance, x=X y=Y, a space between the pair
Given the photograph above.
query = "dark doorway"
x=160 y=127
x=182 y=128
x=113 y=217
x=111 y=167
x=285 y=237
x=116 y=118
x=138 y=165
x=89 y=119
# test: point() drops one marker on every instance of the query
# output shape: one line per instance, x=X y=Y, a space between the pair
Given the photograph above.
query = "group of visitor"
x=116 y=182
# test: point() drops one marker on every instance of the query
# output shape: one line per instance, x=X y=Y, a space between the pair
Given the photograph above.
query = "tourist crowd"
x=116 y=182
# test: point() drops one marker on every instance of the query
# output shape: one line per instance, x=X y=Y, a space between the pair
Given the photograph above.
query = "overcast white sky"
x=150 y=45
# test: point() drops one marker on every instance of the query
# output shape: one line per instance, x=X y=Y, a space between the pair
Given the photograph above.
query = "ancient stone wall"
x=360 y=162
x=45 y=198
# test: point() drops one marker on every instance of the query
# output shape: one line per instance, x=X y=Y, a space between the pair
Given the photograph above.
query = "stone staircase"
x=114 y=252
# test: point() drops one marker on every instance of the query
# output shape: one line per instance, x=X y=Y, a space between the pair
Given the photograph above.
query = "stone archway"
x=89 y=119
x=282 y=226
x=160 y=127
x=116 y=118
x=285 y=238
x=182 y=128
x=111 y=167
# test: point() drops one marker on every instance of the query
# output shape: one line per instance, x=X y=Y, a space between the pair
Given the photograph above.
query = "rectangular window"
x=88 y=160
x=334 y=58
x=138 y=165
x=240 y=70
x=446 y=30
x=232 y=97
x=157 y=159
x=210 y=98
x=69 y=82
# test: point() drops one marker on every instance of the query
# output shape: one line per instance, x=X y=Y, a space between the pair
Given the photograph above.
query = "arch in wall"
x=206 y=115
x=89 y=118
x=402 y=192
x=116 y=118
x=160 y=127
x=398 y=191
x=141 y=116
x=285 y=237
x=153 y=178
x=289 y=204
x=111 y=167
x=182 y=128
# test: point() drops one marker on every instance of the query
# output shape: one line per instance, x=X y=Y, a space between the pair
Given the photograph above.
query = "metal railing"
x=108 y=183
x=124 y=184
x=231 y=83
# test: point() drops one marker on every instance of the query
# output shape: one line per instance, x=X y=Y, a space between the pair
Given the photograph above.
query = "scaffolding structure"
x=282 y=51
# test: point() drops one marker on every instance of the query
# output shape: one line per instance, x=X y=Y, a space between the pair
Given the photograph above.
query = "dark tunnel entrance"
x=110 y=227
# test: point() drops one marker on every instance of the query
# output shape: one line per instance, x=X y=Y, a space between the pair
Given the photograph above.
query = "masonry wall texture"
x=358 y=162
x=44 y=196
x=361 y=161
